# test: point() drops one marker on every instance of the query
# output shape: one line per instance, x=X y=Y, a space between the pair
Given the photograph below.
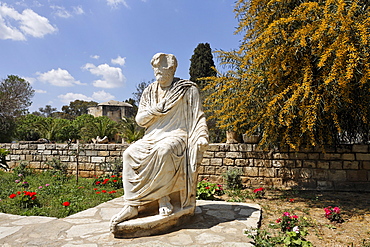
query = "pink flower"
x=286 y=214
x=47 y=185
x=295 y=216
x=278 y=220
x=40 y=187
x=336 y=210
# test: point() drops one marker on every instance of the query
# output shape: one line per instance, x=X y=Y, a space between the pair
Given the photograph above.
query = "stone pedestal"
x=152 y=225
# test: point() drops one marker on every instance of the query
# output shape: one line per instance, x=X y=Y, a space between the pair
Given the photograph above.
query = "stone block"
x=219 y=170
x=84 y=174
x=298 y=156
x=344 y=148
x=263 y=163
x=353 y=165
x=115 y=153
x=206 y=162
x=228 y=162
x=34 y=165
x=309 y=164
x=213 y=147
x=337 y=175
x=336 y=165
x=366 y=165
x=101 y=146
x=23 y=146
x=325 y=185
x=234 y=147
x=320 y=174
x=280 y=156
x=216 y=162
x=242 y=162
x=290 y=163
x=323 y=165
x=348 y=156
x=200 y=169
x=306 y=173
x=210 y=170
x=356 y=175
x=103 y=153
x=313 y=156
x=208 y=154
x=97 y=159
x=246 y=147
x=50 y=146
x=330 y=156
x=278 y=163
x=267 y=172
x=64 y=158
x=235 y=155
x=250 y=171
x=307 y=183
x=41 y=146
x=220 y=154
x=360 y=148
x=91 y=153
x=224 y=147
x=361 y=156
x=15 y=157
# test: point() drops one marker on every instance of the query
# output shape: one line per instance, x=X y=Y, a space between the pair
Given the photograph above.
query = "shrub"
x=233 y=179
x=207 y=190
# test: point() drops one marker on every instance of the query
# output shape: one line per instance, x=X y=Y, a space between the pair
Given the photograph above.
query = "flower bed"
x=53 y=194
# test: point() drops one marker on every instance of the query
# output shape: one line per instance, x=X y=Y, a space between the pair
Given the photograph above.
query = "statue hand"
x=202 y=144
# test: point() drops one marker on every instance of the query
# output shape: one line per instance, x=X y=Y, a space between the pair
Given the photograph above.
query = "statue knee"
x=164 y=150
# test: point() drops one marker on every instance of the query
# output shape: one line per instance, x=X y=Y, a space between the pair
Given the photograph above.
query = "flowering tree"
x=301 y=73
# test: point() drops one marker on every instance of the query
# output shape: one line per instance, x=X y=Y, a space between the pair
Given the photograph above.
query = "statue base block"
x=152 y=225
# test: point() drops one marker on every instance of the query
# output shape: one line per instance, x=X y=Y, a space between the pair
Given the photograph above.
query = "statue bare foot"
x=126 y=213
x=165 y=207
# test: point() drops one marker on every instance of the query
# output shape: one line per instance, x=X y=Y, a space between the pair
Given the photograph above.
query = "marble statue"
x=165 y=160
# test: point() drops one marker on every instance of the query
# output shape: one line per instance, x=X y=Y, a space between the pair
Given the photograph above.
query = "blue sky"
x=101 y=49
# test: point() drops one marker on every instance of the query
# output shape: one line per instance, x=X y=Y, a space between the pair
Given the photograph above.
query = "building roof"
x=116 y=103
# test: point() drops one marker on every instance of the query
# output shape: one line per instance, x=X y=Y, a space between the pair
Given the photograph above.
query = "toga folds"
x=165 y=159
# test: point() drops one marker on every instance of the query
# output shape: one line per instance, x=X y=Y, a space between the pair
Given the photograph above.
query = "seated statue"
x=165 y=160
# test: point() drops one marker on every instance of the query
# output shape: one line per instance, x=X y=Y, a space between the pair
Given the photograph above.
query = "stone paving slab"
x=215 y=223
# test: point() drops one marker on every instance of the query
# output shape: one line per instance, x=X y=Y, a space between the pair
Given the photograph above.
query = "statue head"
x=164 y=66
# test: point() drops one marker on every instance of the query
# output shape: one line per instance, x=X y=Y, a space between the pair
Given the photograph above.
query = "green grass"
x=53 y=189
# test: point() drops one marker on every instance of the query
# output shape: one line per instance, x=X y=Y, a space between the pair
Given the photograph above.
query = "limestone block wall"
x=90 y=157
x=345 y=167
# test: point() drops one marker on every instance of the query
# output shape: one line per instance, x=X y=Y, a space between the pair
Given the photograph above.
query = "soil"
x=355 y=211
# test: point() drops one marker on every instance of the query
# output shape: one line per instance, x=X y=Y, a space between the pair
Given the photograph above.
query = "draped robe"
x=165 y=159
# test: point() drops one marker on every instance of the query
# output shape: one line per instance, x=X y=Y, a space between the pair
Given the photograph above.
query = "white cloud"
x=69 y=97
x=40 y=91
x=28 y=22
x=64 y=13
x=59 y=77
x=95 y=56
x=102 y=96
x=31 y=80
x=115 y=3
x=99 y=96
x=112 y=77
x=119 y=60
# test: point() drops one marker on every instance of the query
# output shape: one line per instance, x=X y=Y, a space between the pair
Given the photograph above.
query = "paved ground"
x=216 y=223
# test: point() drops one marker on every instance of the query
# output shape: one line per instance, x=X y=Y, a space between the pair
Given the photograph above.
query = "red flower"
x=95 y=188
x=104 y=191
x=278 y=220
x=66 y=204
x=98 y=192
x=12 y=196
x=18 y=192
x=97 y=182
x=291 y=200
x=207 y=188
x=114 y=181
x=259 y=189
x=295 y=216
x=111 y=192
x=113 y=176
x=33 y=198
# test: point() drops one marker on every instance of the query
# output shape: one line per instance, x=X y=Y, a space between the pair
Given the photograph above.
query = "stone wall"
x=345 y=167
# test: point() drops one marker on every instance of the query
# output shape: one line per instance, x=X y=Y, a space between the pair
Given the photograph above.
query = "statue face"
x=164 y=75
